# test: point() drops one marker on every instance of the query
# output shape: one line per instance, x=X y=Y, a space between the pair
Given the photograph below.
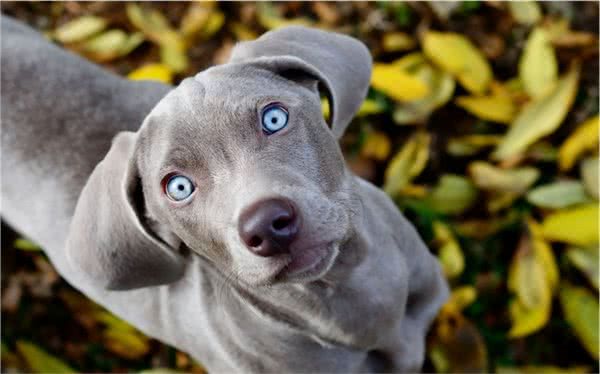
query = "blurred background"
x=481 y=123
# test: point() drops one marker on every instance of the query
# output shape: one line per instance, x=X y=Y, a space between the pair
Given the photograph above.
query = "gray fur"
x=100 y=213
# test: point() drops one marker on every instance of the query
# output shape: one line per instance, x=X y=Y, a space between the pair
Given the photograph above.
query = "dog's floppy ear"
x=107 y=239
x=341 y=63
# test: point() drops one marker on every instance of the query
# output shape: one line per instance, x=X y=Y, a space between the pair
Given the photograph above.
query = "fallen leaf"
x=407 y=163
x=460 y=298
x=457 y=346
x=40 y=361
x=452 y=195
x=545 y=369
x=539 y=118
x=578 y=225
x=525 y=12
x=470 y=145
x=538 y=68
x=458 y=56
x=497 y=108
x=155 y=72
x=441 y=87
x=533 y=277
x=110 y=45
x=269 y=18
x=376 y=146
x=587 y=261
x=489 y=177
x=26 y=245
x=589 y=174
x=558 y=195
x=449 y=252
x=397 y=84
x=584 y=138
x=398 y=41
x=580 y=308
x=79 y=29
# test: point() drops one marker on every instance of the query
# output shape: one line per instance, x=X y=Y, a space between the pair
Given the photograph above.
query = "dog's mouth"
x=308 y=264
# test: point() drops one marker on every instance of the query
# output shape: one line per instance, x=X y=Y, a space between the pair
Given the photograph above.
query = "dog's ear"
x=107 y=239
x=341 y=63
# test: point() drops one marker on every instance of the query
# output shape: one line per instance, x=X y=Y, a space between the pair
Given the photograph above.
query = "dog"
x=219 y=216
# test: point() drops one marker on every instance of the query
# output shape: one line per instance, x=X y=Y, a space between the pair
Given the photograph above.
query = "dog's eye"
x=274 y=118
x=179 y=187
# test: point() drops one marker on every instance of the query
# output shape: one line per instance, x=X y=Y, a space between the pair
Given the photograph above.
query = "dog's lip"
x=308 y=263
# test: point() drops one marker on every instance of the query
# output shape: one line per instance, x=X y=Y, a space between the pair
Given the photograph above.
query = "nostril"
x=255 y=241
x=281 y=223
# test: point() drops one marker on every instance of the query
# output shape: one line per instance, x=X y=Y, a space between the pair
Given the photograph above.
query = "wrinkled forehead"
x=229 y=89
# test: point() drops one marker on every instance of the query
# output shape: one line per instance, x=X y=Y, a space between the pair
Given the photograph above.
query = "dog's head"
x=236 y=164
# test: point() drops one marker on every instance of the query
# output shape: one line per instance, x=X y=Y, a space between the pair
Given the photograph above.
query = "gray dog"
x=227 y=224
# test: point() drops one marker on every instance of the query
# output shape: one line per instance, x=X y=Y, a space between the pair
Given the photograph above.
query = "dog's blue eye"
x=274 y=118
x=179 y=187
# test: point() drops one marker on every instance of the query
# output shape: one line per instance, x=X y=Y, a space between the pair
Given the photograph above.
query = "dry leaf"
x=578 y=226
x=539 y=118
x=580 y=308
x=397 y=83
x=589 y=174
x=155 y=72
x=497 y=108
x=458 y=56
x=452 y=195
x=538 y=68
x=407 y=164
x=584 y=138
x=79 y=29
x=489 y=177
x=558 y=195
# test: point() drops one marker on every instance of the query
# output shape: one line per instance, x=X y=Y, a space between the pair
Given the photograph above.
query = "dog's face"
x=237 y=164
x=247 y=173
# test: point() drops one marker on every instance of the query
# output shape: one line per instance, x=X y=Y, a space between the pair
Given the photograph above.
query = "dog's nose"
x=268 y=227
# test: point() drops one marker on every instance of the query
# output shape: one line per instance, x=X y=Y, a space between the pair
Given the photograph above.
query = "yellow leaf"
x=26 y=245
x=441 y=88
x=489 y=177
x=470 y=145
x=213 y=25
x=533 y=276
x=578 y=226
x=538 y=67
x=558 y=195
x=586 y=260
x=377 y=146
x=39 y=361
x=450 y=254
x=452 y=195
x=407 y=164
x=525 y=12
x=156 y=72
x=79 y=29
x=369 y=107
x=127 y=344
x=497 y=108
x=589 y=174
x=526 y=321
x=580 y=308
x=585 y=138
x=397 y=84
x=155 y=26
x=458 y=56
x=457 y=346
x=530 y=369
x=242 y=32
x=539 y=118
x=173 y=57
x=195 y=18
x=398 y=41
x=269 y=18
x=460 y=298
x=109 y=45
